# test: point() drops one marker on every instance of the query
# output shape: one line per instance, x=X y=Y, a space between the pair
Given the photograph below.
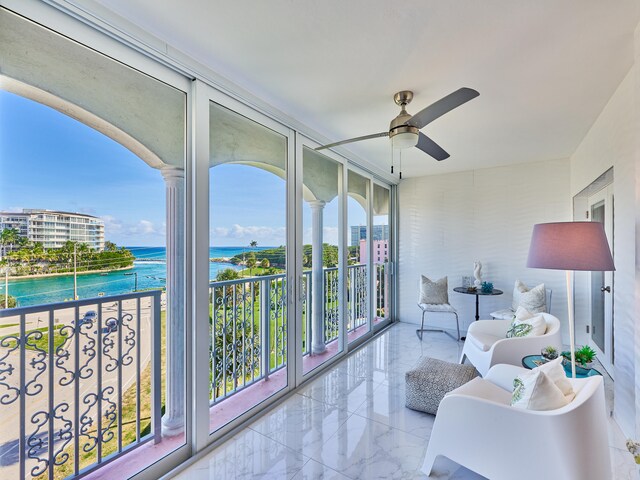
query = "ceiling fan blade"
x=356 y=139
x=442 y=106
x=430 y=147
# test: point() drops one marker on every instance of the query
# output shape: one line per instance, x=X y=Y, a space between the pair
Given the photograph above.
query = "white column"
x=173 y=419
x=317 y=277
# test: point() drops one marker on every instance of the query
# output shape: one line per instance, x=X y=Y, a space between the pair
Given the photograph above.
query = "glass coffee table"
x=533 y=361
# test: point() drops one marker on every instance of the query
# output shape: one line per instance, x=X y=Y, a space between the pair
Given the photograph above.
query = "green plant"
x=10 y=300
x=583 y=355
x=550 y=352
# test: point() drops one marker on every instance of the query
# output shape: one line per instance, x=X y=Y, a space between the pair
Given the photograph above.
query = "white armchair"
x=487 y=345
x=478 y=428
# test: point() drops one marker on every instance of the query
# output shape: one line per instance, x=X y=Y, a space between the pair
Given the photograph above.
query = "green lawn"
x=41 y=343
x=9 y=325
x=256 y=271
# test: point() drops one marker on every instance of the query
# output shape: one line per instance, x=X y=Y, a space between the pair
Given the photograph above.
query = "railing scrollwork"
x=62 y=385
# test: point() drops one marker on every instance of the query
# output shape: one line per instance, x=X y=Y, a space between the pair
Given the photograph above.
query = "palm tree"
x=8 y=237
x=251 y=261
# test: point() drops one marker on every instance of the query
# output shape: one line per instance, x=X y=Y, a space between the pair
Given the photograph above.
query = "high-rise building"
x=359 y=232
x=52 y=228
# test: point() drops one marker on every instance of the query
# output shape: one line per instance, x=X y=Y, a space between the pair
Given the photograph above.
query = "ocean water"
x=150 y=265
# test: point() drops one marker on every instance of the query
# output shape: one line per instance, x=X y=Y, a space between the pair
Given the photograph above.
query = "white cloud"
x=146 y=227
x=122 y=231
x=262 y=234
x=111 y=224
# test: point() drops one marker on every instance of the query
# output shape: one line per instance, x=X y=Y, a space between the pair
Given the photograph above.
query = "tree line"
x=276 y=257
x=24 y=257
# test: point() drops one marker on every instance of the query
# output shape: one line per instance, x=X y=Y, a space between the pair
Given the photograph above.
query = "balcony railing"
x=79 y=384
x=80 y=381
x=247 y=313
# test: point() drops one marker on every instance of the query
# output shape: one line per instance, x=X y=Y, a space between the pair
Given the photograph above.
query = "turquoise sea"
x=150 y=265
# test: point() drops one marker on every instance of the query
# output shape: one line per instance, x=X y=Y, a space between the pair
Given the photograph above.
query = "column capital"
x=172 y=173
x=317 y=204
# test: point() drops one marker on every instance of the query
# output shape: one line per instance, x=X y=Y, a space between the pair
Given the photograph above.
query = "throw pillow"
x=555 y=371
x=433 y=292
x=534 y=390
x=527 y=324
x=533 y=299
x=522 y=314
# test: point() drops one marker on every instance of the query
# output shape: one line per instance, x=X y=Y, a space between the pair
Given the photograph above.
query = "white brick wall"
x=448 y=221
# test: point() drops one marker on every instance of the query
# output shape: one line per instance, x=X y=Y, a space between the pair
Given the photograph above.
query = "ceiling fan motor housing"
x=401 y=134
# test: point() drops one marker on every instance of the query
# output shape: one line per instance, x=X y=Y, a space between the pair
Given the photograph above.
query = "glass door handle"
x=606 y=289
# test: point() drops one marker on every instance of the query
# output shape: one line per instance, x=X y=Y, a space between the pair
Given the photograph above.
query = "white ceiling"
x=544 y=69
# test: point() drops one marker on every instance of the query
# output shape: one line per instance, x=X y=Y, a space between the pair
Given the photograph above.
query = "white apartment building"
x=52 y=228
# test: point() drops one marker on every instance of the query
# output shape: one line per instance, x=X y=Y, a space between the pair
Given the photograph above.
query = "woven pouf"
x=431 y=380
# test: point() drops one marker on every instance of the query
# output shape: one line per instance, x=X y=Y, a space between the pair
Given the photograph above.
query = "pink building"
x=380 y=251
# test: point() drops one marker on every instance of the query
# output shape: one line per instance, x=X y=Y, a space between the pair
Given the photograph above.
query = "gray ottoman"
x=431 y=380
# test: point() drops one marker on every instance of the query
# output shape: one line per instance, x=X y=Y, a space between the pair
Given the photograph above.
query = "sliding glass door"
x=358 y=270
x=93 y=340
x=382 y=255
x=247 y=262
x=231 y=260
x=319 y=256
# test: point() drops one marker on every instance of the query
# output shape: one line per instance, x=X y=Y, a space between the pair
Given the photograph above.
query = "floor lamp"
x=570 y=246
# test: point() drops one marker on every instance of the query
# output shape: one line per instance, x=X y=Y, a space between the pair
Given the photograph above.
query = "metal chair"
x=437 y=308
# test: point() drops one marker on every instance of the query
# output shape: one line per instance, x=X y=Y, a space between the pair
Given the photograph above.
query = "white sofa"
x=487 y=345
x=478 y=428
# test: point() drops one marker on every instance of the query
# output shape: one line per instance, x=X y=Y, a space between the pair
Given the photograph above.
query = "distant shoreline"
x=84 y=272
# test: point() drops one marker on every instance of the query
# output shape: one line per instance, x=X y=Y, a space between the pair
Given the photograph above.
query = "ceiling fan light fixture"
x=404 y=137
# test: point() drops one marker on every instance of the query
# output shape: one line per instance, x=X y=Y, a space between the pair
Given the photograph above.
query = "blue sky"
x=51 y=161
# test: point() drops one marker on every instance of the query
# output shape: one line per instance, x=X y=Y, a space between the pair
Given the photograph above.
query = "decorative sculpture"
x=477 y=273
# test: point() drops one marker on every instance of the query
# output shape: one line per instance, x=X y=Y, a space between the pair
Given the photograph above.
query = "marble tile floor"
x=351 y=423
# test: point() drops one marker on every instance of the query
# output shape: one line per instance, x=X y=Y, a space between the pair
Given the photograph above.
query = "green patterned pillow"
x=519 y=330
x=518 y=390
x=534 y=390
x=526 y=324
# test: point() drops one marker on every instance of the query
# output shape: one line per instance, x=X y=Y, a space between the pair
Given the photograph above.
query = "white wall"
x=613 y=141
x=448 y=221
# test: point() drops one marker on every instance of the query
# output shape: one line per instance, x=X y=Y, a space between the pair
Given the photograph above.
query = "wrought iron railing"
x=331 y=304
x=358 y=299
x=79 y=383
x=248 y=313
x=382 y=291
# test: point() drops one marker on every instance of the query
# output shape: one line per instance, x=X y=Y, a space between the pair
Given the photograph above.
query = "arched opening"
x=101 y=246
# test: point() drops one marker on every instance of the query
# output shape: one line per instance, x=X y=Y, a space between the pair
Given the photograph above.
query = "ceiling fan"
x=404 y=130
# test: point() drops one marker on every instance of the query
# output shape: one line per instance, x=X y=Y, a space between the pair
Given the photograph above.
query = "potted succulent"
x=549 y=353
x=584 y=358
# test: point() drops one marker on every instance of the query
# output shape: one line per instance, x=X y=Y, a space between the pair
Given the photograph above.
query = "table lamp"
x=570 y=246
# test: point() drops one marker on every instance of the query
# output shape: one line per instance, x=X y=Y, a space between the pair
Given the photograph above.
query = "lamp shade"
x=570 y=246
